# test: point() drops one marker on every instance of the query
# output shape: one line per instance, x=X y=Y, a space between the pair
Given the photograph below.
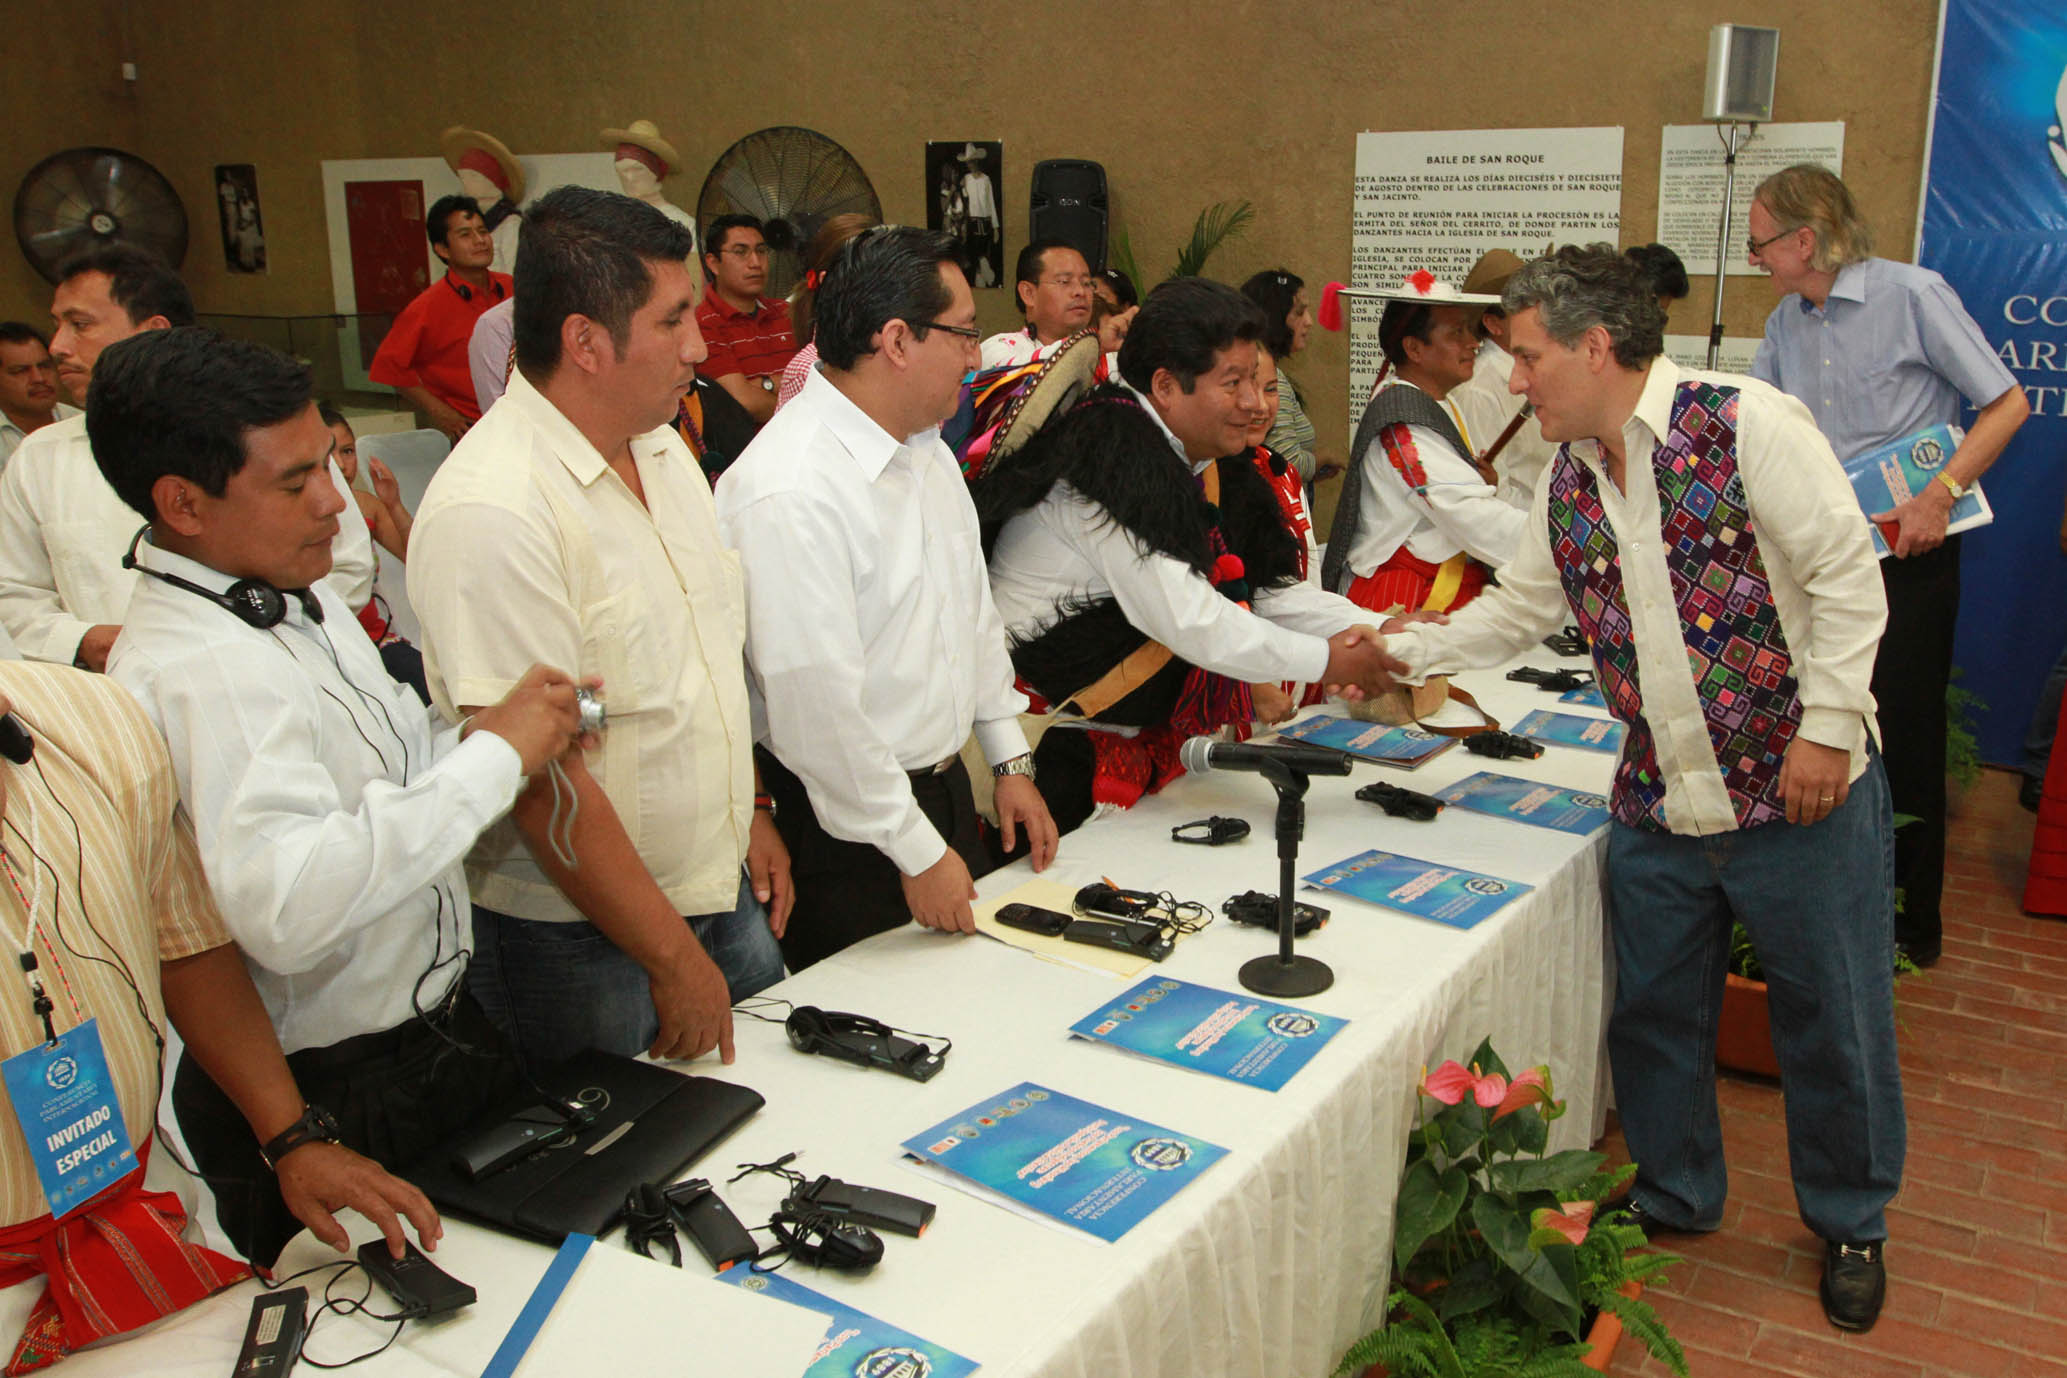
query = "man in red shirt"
x=749 y=336
x=424 y=356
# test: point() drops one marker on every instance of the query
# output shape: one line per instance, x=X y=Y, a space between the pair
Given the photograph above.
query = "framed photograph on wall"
x=962 y=181
x=243 y=233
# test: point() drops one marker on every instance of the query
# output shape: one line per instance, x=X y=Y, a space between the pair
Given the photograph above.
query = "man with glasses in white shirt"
x=872 y=640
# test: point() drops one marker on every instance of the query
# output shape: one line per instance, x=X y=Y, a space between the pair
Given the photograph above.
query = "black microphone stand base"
x=1300 y=976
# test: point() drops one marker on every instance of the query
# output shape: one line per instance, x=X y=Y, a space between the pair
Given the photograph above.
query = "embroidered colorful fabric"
x=1736 y=650
x=1398 y=440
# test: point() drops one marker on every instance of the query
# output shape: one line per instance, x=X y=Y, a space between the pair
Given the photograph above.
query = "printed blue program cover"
x=1446 y=894
x=1569 y=729
x=1526 y=801
x=1240 y=1037
x=1405 y=745
x=856 y=1344
x=1081 y=1164
x=1885 y=478
x=1586 y=696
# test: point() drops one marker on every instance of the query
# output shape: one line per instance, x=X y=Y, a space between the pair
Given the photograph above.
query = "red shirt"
x=426 y=347
x=753 y=344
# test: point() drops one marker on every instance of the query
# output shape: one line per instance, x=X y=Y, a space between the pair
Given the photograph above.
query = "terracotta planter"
x=1603 y=1336
x=1744 y=1038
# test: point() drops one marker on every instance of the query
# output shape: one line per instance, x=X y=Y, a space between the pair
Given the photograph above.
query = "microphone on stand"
x=1201 y=754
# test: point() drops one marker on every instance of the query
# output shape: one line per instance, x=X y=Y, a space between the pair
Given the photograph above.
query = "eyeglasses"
x=1755 y=245
x=1069 y=284
x=967 y=332
x=747 y=250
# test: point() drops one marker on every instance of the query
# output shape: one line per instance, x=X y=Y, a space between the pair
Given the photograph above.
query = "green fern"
x=1640 y=1322
x=1217 y=223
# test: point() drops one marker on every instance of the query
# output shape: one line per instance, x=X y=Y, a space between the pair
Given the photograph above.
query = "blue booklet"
x=1889 y=476
x=1526 y=801
x=1405 y=745
x=1234 y=1036
x=855 y=1342
x=1569 y=729
x=1586 y=696
x=1446 y=894
x=1081 y=1164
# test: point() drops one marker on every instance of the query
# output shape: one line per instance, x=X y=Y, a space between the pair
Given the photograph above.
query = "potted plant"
x=1505 y=1262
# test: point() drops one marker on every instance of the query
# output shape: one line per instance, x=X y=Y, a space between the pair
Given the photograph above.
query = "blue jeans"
x=1819 y=904
x=559 y=988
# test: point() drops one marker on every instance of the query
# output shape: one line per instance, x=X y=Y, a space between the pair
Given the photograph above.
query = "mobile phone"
x=1046 y=922
x=1141 y=939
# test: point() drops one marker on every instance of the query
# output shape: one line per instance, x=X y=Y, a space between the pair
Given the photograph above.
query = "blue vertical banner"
x=1995 y=224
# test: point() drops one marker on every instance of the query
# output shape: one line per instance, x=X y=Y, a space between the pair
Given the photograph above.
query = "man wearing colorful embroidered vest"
x=95 y=806
x=1878 y=351
x=1145 y=580
x=1420 y=525
x=1699 y=530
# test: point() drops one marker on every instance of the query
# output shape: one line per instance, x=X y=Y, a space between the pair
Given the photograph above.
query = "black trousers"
x=397 y=1095
x=847 y=891
x=1909 y=679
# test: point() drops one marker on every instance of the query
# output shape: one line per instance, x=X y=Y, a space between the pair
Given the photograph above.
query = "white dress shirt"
x=488 y=352
x=1458 y=511
x=529 y=549
x=872 y=639
x=1015 y=347
x=63 y=533
x=1824 y=580
x=1065 y=550
x=330 y=820
x=1486 y=407
x=11 y=435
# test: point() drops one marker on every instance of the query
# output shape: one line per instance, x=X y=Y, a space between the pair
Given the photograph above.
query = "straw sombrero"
x=458 y=141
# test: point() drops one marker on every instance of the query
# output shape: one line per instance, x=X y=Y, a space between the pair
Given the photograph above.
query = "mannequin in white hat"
x=643 y=160
x=490 y=174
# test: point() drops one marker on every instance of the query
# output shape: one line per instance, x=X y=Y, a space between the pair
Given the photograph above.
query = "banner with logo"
x=1995 y=224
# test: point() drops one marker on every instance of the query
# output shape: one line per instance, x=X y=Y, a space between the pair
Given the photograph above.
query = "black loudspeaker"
x=1069 y=204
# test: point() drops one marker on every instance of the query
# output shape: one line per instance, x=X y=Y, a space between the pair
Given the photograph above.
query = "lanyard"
x=39 y=999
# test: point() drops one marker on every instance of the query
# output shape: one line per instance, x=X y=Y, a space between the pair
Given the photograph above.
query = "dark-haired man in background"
x=873 y=642
x=1111 y=572
x=424 y=355
x=63 y=530
x=748 y=338
x=1054 y=287
x=28 y=386
x=329 y=812
x=628 y=908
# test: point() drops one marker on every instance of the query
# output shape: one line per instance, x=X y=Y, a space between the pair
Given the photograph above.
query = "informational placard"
x=1437 y=199
x=1691 y=351
x=1257 y=1042
x=1690 y=183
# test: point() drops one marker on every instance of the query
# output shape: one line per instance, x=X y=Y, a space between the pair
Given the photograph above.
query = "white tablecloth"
x=1269 y=1264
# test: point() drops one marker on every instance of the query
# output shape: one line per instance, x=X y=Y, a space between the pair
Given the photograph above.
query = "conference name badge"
x=64 y=1100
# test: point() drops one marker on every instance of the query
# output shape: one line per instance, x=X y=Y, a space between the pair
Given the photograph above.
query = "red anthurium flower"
x=1530 y=1088
x=1572 y=1220
x=1450 y=1082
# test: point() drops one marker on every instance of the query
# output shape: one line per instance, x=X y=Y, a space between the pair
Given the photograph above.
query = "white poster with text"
x=1690 y=183
x=1438 y=199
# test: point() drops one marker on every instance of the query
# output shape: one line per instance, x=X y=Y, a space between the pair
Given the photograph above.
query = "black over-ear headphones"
x=252 y=601
x=857 y=1038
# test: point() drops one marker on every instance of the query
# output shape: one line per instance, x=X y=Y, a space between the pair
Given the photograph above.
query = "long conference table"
x=1269 y=1264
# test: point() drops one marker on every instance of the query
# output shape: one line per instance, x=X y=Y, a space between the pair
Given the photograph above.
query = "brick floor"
x=1977 y=1258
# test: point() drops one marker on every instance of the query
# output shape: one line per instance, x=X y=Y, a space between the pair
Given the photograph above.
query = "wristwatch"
x=316 y=1125
x=1952 y=485
x=767 y=383
x=1022 y=764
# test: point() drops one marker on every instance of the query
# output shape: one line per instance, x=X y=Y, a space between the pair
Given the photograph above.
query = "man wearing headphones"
x=115 y=915
x=424 y=354
x=329 y=815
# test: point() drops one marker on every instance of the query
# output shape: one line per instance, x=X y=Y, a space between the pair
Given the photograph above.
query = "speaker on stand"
x=1069 y=203
x=1742 y=61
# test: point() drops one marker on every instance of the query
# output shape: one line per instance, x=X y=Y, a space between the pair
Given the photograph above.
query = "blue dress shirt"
x=1889 y=353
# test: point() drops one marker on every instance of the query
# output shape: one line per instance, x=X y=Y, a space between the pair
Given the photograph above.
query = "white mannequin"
x=640 y=183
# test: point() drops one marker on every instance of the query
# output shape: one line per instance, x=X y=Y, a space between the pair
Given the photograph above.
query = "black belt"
x=928 y=772
x=395 y=1043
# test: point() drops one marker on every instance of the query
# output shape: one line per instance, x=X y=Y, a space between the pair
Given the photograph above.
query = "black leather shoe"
x=2030 y=792
x=1855 y=1283
x=1922 y=954
x=1650 y=1224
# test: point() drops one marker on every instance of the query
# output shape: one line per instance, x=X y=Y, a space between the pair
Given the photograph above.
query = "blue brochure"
x=1081 y=1164
x=855 y=1342
x=1569 y=729
x=1586 y=696
x=1444 y=893
x=1526 y=801
x=1406 y=745
x=1234 y=1036
x=1884 y=478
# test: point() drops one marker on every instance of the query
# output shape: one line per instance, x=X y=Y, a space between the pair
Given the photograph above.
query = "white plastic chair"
x=413 y=456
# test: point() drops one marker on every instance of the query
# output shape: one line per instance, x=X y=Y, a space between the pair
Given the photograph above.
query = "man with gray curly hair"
x=1698 y=528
